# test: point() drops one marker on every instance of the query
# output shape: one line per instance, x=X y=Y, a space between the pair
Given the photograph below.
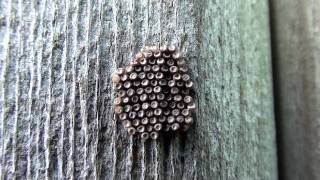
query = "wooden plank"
x=296 y=40
x=56 y=117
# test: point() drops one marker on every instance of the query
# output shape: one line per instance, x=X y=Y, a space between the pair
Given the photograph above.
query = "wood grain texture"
x=296 y=40
x=56 y=117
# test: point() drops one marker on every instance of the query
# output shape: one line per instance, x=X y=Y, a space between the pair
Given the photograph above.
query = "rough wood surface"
x=296 y=40
x=56 y=117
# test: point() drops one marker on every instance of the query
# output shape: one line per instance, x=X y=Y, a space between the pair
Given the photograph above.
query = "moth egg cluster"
x=154 y=93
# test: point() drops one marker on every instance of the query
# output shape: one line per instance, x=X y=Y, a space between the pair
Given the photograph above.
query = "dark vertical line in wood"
x=99 y=104
x=61 y=101
x=116 y=62
x=5 y=28
x=8 y=97
x=45 y=91
x=143 y=152
x=244 y=73
x=62 y=141
x=148 y=164
x=77 y=129
x=131 y=46
x=158 y=159
x=85 y=90
x=106 y=149
x=166 y=138
x=97 y=90
x=189 y=156
x=46 y=88
x=123 y=142
x=32 y=95
x=139 y=169
x=276 y=85
x=92 y=86
x=68 y=99
x=39 y=46
x=135 y=159
x=23 y=94
x=50 y=159
x=73 y=59
x=17 y=59
x=175 y=153
x=57 y=73
x=80 y=129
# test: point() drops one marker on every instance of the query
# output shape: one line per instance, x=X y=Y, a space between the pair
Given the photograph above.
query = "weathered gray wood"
x=296 y=27
x=56 y=113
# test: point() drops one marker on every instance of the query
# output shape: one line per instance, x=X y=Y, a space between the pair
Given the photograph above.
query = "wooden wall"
x=56 y=59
